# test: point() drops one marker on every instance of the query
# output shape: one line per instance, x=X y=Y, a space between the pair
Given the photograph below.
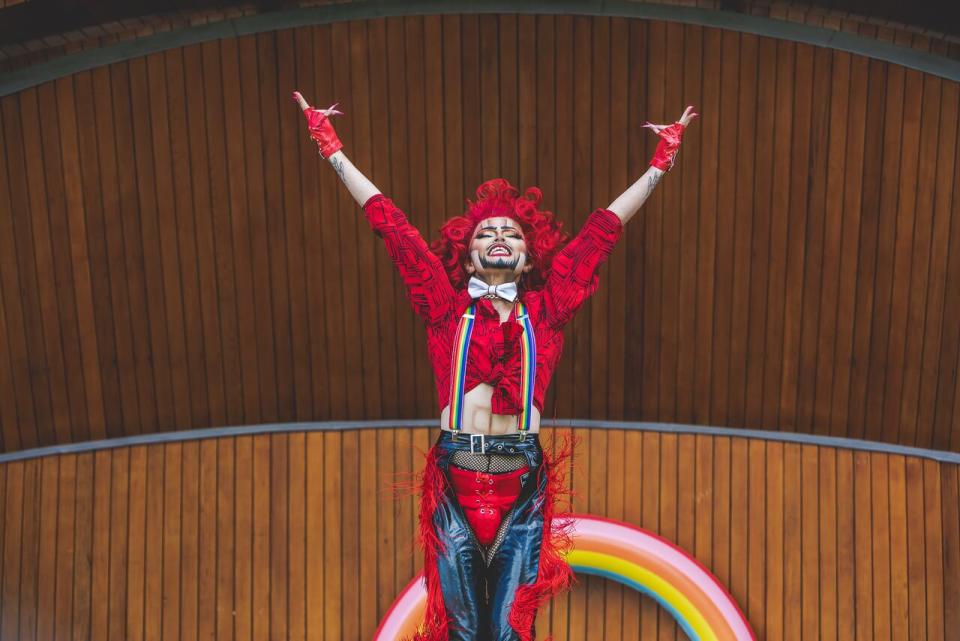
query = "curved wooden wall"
x=173 y=254
x=290 y=536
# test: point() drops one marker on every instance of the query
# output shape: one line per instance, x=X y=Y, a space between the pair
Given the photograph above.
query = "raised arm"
x=630 y=201
x=428 y=287
x=318 y=121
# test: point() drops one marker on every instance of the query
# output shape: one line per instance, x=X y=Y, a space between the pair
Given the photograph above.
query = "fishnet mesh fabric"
x=489 y=463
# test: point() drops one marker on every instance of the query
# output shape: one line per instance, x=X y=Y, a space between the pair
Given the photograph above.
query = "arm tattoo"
x=338 y=167
x=652 y=181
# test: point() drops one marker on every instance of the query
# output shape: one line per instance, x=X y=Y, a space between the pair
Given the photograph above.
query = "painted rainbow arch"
x=627 y=555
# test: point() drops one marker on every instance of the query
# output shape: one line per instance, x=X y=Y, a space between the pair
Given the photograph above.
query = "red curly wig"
x=542 y=233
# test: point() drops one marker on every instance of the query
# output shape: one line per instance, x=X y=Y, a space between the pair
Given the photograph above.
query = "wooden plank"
x=598 y=191
x=846 y=554
x=257 y=218
x=817 y=132
x=782 y=144
x=226 y=531
x=153 y=605
x=635 y=377
x=240 y=228
x=880 y=488
x=754 y=606
x=274 y=219
x=722 y=516
x=200 y=214
x=47 y=540
x=506 y=83
x=260 y=522
x=827 y=552
x=454 y=112
x=12 y=549
x=172 y=546
x=863 y=546
x=316 y=535
x=207 y=539
x=29 y=550
x=101 y=544
x=595 y=492
x=133 y=626
x=935 y=332
x=796 y=233
x=296 y=479
x=150 y=391
x=833 y=220
x=655 y=76
x=581 y=203
x=886 y=251
x=83 y=547
x=709 y=127
x=899 y=566
x=810 y=559
x=489 y=135
x=278 y=514
x=755 y=405
x=914 y=538
x=66 y=510
x=723 y=257
x=922 y=194
x=670 y=248
x=705 y=491
x=933 y=548
x=418 y=199
x=14 y=243
x=775 y=602
x=526 y=113
x=243 y=515
x=746 y=117
x=408 y=359
x=58 y=413
x=792 y=541
x=94 y=204
x=950 y=511
x=153 y=266
x=332 y=511
x=562 y=403
x=738 y=535
x=868 y=243
x=166 y=225
x=190 y=550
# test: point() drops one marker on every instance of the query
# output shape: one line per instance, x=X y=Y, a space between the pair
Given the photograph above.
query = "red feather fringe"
x=553 y=575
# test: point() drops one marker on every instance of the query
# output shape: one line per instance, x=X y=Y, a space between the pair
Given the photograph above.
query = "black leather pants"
x=478 y=584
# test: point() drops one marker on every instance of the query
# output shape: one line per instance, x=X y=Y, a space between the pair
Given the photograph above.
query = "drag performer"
x=495 y=291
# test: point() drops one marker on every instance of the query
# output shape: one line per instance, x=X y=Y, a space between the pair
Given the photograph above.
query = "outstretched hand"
x=685 y=119
x=318 y=122
x=329 y=111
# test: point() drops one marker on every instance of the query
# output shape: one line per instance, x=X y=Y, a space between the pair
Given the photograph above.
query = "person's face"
x=498 y=247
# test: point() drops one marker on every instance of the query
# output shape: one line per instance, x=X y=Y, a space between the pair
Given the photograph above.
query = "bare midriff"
x=479 y=419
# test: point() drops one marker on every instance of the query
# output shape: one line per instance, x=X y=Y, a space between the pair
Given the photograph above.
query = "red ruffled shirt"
x=494 y=356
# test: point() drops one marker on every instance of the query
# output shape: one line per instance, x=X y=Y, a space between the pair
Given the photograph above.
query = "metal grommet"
x=490 y=481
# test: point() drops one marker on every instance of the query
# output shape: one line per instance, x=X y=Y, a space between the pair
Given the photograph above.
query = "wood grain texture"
x=258 y=536
x=173 y=255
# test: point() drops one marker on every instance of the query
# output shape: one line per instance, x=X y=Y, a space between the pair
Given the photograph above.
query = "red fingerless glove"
x=321 y=130
x=668 y=147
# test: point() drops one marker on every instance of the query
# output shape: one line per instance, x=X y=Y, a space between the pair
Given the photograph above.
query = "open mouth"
x=498 y=250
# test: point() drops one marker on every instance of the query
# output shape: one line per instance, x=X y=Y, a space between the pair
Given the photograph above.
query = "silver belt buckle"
x=475 y=438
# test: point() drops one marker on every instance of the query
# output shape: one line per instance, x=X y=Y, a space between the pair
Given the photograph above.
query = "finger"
x=304 y=105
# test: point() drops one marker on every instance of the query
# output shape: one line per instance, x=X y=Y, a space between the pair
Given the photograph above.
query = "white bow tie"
x=478 y=288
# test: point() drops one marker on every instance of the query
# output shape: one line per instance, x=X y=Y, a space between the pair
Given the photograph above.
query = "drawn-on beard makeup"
x=499 y=263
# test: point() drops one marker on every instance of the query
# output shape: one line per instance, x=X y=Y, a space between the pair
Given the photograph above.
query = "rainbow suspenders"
x=528 y=368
